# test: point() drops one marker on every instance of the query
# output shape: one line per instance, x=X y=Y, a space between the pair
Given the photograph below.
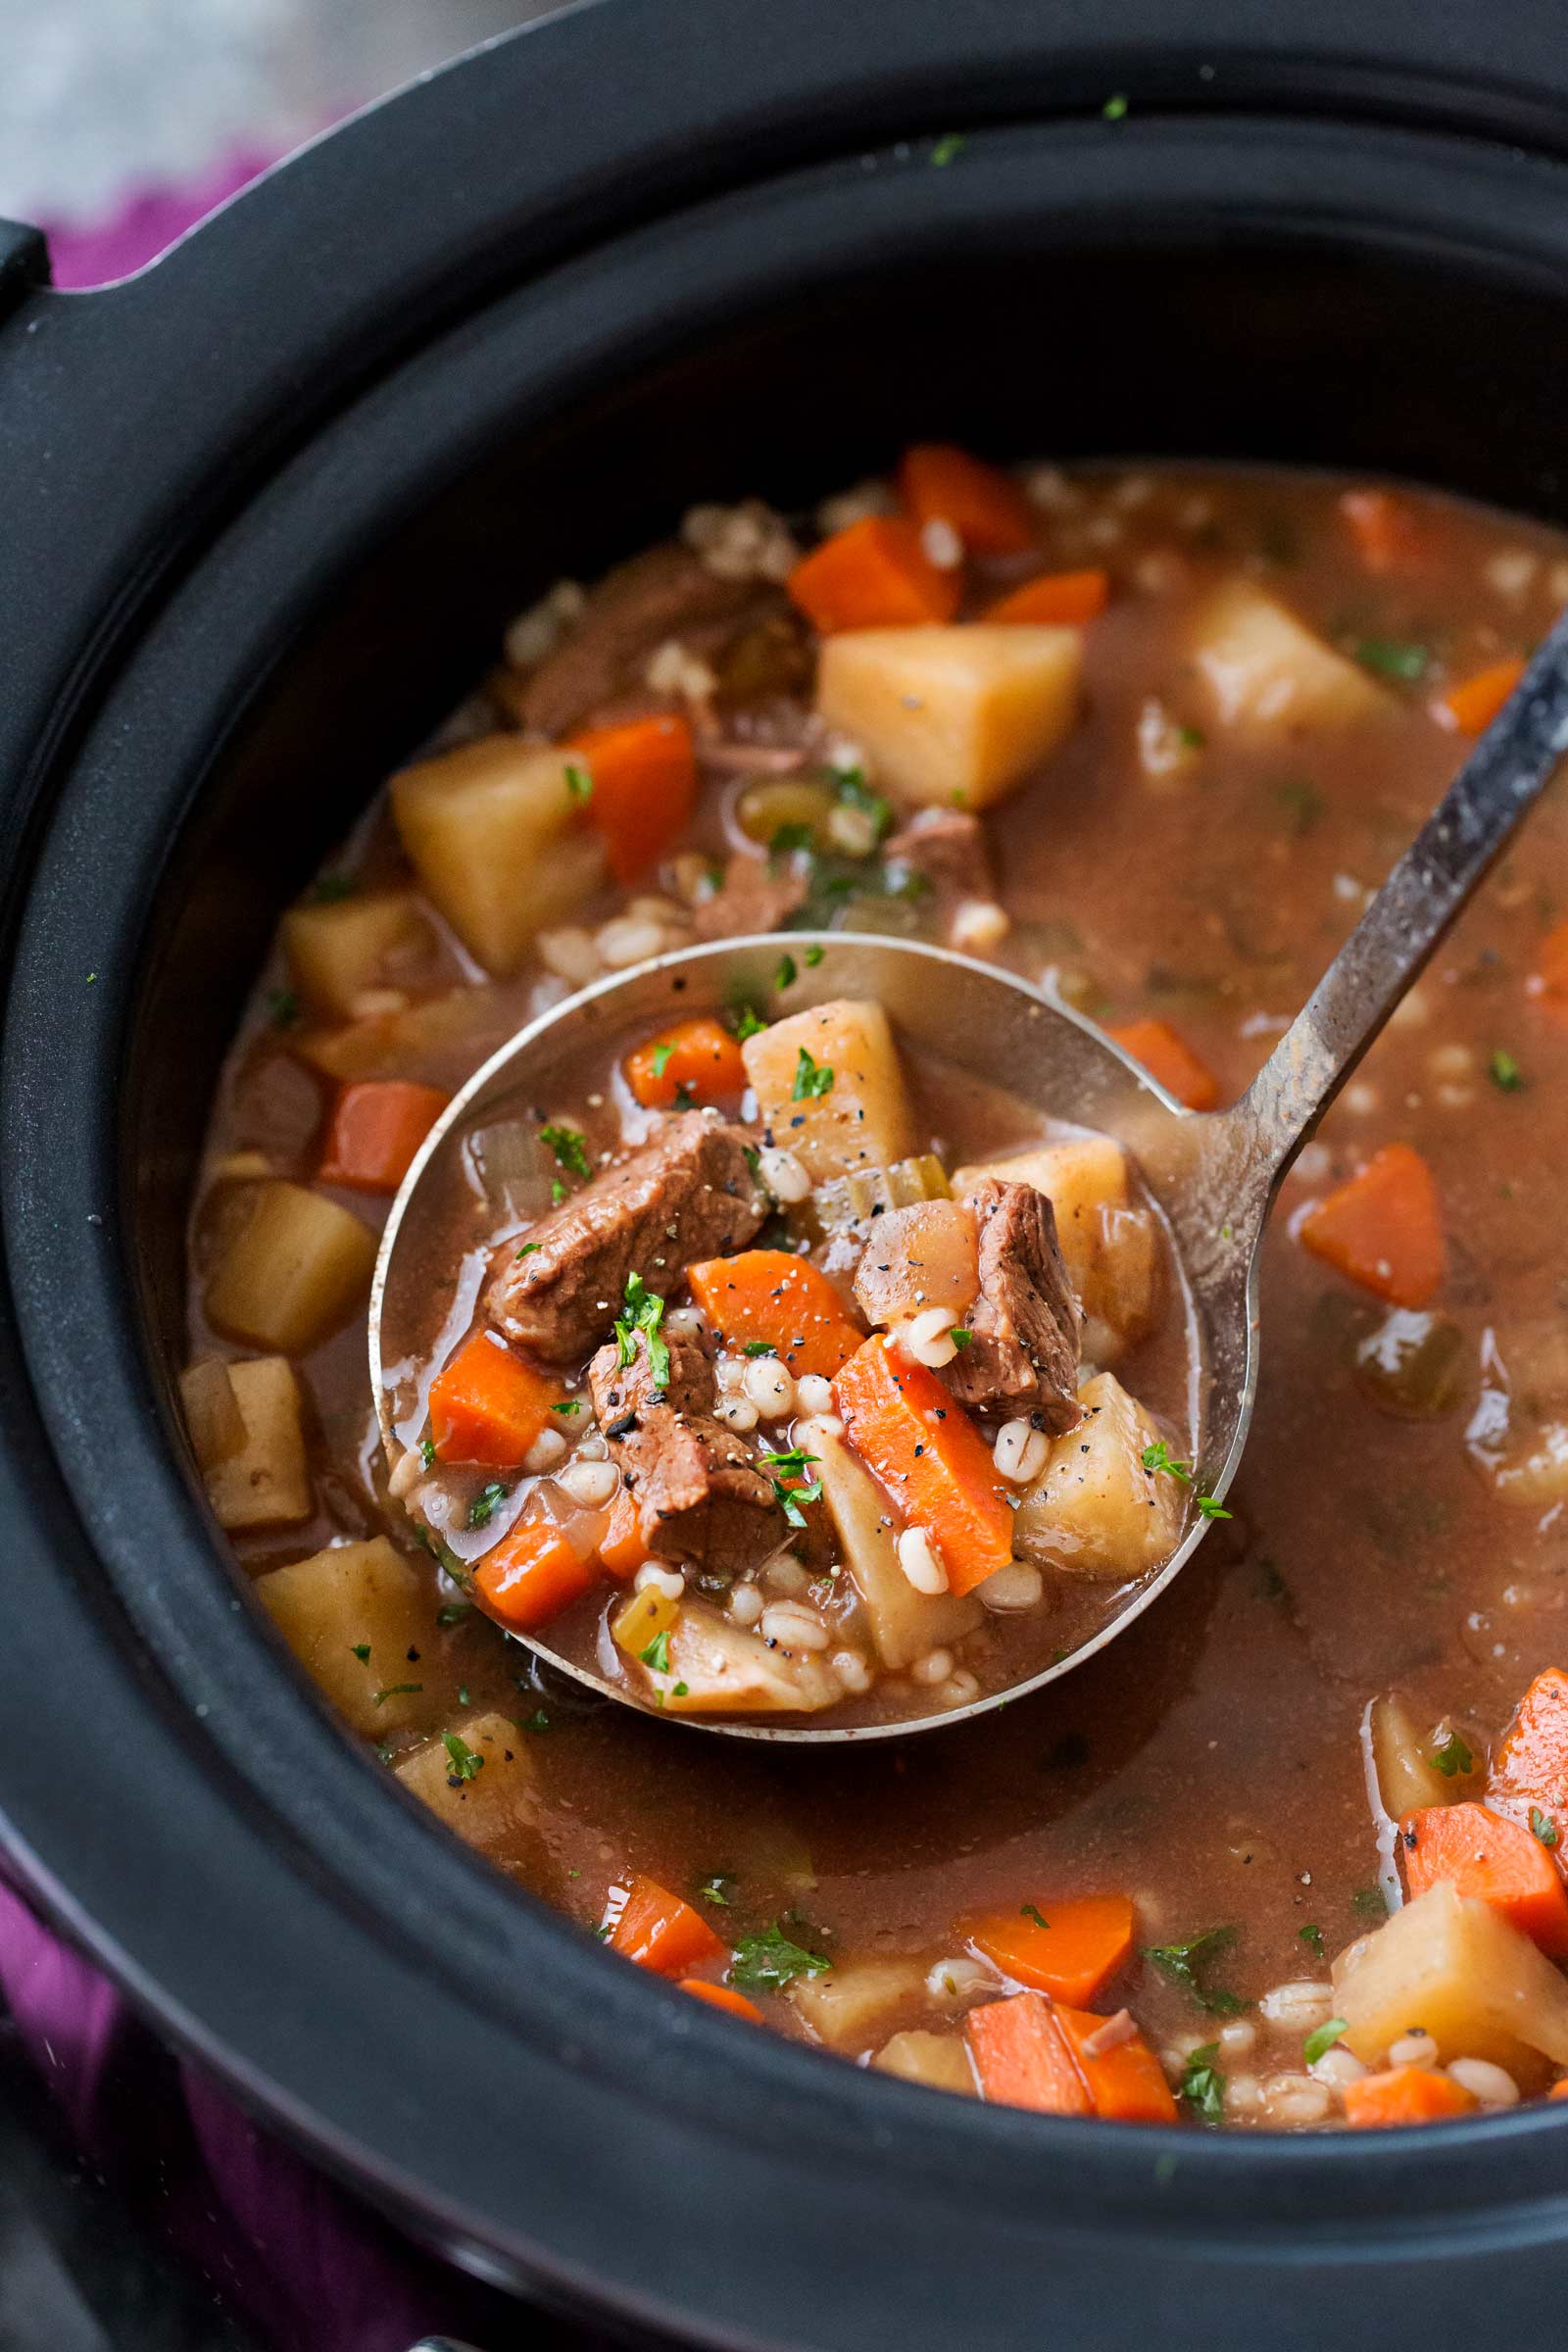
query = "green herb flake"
x=527 y=1250
x=959 y=1335
x=1159 y=1457
x=482 y=1509
x=788 y=972
x=395 y=1691
x=1114 y=109
x=427 y=1452
x=362 y=1651
x=815 y=956
x=787 y=839
x=453 y=1612
x=948 y=149
x=1312 y=1936
x=1188 y=1965
x=466 y=1762
x=645 y=1312
x=1203 y=2086
x=1504 y=1071
x=1211 y=1508
x=1370 y=1902
x=660 y=1059
x=1318 y=2043
x=747 y=1023
x=767 y=1962
x=1393 y=658
x=1032 y=1911
x=579 y=783
x=1453 y=1757
x=811 y=1080
x=571 y=1148
x=538 y=1721
x=656 y=1654
x=758 y=1347
x=284 y=1006
x=718 y=1889
x=568 y=1404
x=1542 y=1827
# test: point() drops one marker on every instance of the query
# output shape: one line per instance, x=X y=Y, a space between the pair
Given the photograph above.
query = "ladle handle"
x=1495 y=788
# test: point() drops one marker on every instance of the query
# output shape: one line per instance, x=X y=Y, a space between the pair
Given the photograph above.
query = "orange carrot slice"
x=1499 y=1862
x=1406 y=2094
x=874 y=575
x=375 y=1128
x=1067 y=1949
x=1559 y=2090
x=1022 y=2057
x=1056 y=600
x=532 y=1575
x=722 y=1996
x=658 y=1931
x=487 y=1405
x=1475 y=702
x=928 y=1454
x=1165 y=1054
x=1530 y=1770
x=621 y=1549
x=1551 y=961
x=1382 y=527
x=939 y=484
x=696 y=1061
x=1383 y=1228
x=642 y=775
x=1126 y=2082
x=772 y=1297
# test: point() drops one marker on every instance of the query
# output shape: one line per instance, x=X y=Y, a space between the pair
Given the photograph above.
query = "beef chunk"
x=753 y=898
x=697 y=1491
x=947 y=847
x=1023 y=1356
x=686 y=1194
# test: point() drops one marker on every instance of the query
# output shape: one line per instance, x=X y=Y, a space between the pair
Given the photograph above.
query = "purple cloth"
x=146 y=224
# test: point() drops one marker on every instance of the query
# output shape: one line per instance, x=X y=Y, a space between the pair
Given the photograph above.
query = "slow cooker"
x=267 y=506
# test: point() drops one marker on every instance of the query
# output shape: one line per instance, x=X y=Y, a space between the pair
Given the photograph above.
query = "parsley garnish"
x=569 y=1404
x=453 y=1612
x=1318 y=2043
x=758 y=1347
x=1505 y=1073
x=1187 y=1964
x=1115 y=108
x=948 y=148
x=815 y=956
x=855 y=793
x=1453 y=1757
x=466 y=1762
x=1203 y=2086
x=1543 y=1826
x=362 y=1651
x=645 y=1311
x=660 y=1058
x=1157 y=1457
x=792 y=1488
x=527 y=1250
x=1209 y=1506
x=579 y=783
x=538 y=1721
x=1032 y=1911
x=1393 y=658
x=789 y=837
x=482 y=1509
x=656 y=1654
x=788 y=972
x=571 y=1148
x=811 y=1080
x=748 y=1023
x=1312 y=1937
x=713 y=1889
x=769 y=1962
x=395 y=1691
x=283 y=1005
x=1371 y=1902
x=959 y=1335
x=427 y=1452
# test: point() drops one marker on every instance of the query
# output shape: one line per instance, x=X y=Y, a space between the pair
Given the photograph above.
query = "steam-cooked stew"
x=1290 y=1854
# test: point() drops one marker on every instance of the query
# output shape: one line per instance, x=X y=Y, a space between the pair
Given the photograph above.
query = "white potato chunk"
x=213 y=1417
x=338 y=950
x=918 y=1257
x=1267 y=674
x=265 y=1482
x=417 y=1042
x=490 y=1806
x=718 y=1668
x=294 y=1270
x=850 y=2008
x=1407 y=1779
x=941 y=2061
x=904 y=1625
x=1456 y=1970
x=497 y=837
x=1094 y=1511
x=354 y=1598
x=941 y=712
x=859 y=1116
x=1533 y=1474
x=1111 y=1248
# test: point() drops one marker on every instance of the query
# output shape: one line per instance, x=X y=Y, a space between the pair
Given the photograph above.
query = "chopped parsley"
x=1542 y=1827
x=427 y=1452
x=815 y=956
x=660 y=1059
x=767 y=1962
x=645 y=1312
x=656 y=1654
x=1453 y=1757
x=571 y=1148
x=362 y=1651
x=568 y=1404
x=1115 y=106
x=759 y=1347
x=748 y=1023
x=283 y=1005
x=1188 y=1965
x=787 y=838
x=395 y=1691
x=1033 y=1911
x=1393 y=658
x=854 y=792
x=482 y=1509
x=466 y=1762
x=1159 y=1457
x=959 y=1335
x=948 y=148
x=1504 y=1071
x=538 y=1721
x=453 y=1612
x=1209 y=1506
x=579 y=783
x=527 y=1250
x=718 y=1889
x=1370 y=1902
x=1318 y=2043
x=792 y=1488
x=788 y=972
x=1203 y=2086
x=811 y=1080
x=1312 y=1936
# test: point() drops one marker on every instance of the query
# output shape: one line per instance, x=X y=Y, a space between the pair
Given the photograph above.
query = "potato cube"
x=266 y=1482
x=297 y=1267
x=354 y=1599
x=1455 y=1968
x=917 y=1258
x=213 y=1417
x=481 y=1785
x=948 y=711
x=850 y=2008
x=1094 y=1511
x=1113 y=1251
x=422 y=1042
x=718 y=1668
x=1268 y=674
x=830 y=1085
x=497 y=837
x=903 y=1624
x=941 y=2061
x=340 y=949
x=1408 y=1780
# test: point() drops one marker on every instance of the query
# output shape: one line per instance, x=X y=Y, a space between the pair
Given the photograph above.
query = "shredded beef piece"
x=948 y=847
x=697 y=1490
x=686 y=1194
x=1023 y=1356
x=753 y=898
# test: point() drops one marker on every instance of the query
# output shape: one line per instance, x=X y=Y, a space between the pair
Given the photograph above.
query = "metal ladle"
x=1213 y=1175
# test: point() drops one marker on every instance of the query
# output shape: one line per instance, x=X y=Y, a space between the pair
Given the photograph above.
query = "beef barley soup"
x=1290 y=1854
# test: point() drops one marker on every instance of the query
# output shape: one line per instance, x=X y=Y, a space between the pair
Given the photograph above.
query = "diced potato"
x=295 y=1269
x=492 y=1808
x=727 y=1671
x=638 y=1623
x=417 y=1042
x=903 y=1624
x=851 y=2007
x=213 y=1416
x=1455 y=1968
x=1266 y=671
x=496 y=835
x=1407 y=1779
x=350 y=1598
x=861 y=1117
x=941 y=2061
x=1094 y=1511
x=1112 y=1249
x=267 y=1483
x=339 y=950
x=943 y=712
x=919 y=1257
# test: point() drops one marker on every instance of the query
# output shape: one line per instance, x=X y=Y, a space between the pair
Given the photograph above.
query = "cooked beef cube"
x=697 y=1492
x=686 y=1194
x=753 y=897
x=947 y=847
x=1023 y=1356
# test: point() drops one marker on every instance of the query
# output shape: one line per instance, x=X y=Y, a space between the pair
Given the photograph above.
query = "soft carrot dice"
x=532 y=1574
x=1530 y=1770
x=1166 y=1055
x=1057 y=600
x=1382 y=527
x=621 y=1549
x=487 y=1405
x=697 y=1062
x=1559 y=2090
x=1126 y=2081
x=1022 y=2057
x=772 y=1297
x=1499 y=1861
x=1383 y=1228
x=722 y=1996
x=1551 y=961
x=643 y=787
x=1406 y=2094
x=939 y=484
x=874 y=575
x=375 y=1128
x=1475 y=702
x=658 y=1931
x=1070 y=1954
x=931 y=1459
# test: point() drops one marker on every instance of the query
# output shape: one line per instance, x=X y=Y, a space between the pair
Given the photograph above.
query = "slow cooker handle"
x=24 y=263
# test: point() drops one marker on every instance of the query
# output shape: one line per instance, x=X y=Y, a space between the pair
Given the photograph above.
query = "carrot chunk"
x=1126 y=2082
x=1071 y=1953
x=1406 y=2094
x=1559 y=2090
x=487 y=1405
x=928 y=1454
x=621 y=1549
x=1166 y=1055
x=939 y=484
x=722 y=1996
x=1475 y=702
x=1530 y=1770
x=1551 y=963
x=1499 y=1861
x=770 y=1297
x=1056 y=600
x=1383 y=1229
x=696 y=1061
x=375 y=1128
x=874 y=575
x=642 y=775
x=532 y=1575
x=1382 y=527
x=1022 y=2058
x=658 y=1931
